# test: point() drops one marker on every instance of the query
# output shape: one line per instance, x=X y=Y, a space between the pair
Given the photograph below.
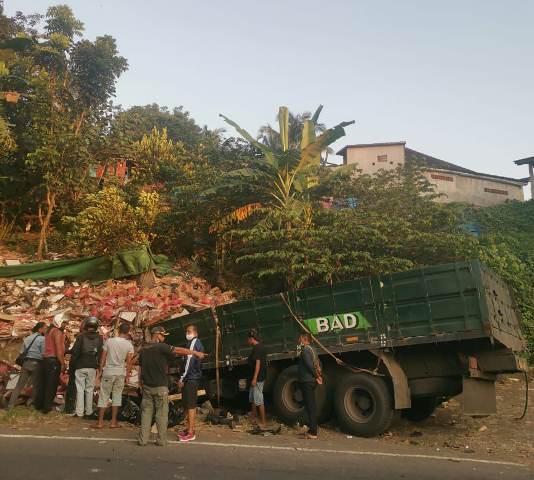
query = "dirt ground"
x=500 y=435
x=446 y=432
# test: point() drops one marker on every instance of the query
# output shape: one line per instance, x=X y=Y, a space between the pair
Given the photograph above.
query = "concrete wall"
x=470 y=189
x=368 y=159
x=456 y=187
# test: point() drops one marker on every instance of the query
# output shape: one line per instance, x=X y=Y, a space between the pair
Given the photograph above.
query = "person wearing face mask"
x=189 y=382
x=52 y=365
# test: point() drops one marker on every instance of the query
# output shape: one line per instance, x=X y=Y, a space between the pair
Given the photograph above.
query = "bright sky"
x=454 y=79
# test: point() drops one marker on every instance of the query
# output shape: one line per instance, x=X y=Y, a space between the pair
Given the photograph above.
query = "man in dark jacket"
x=85 y=355
x=309 y=376
x=189 y=382
x=154 y=361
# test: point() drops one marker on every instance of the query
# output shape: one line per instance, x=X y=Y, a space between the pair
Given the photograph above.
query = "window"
x=382 y=158
x=494 y=190
x=435 y=176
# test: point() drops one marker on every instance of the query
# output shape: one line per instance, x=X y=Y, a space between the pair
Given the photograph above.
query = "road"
x=28 y=457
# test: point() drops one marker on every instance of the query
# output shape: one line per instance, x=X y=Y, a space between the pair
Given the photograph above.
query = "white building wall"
x=477 y=191
x=373 y=158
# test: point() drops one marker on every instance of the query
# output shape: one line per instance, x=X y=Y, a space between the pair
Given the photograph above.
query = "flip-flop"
x=115 y=426
x=97 y=426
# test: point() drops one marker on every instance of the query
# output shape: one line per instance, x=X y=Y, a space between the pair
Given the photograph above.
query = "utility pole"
x=530 y=162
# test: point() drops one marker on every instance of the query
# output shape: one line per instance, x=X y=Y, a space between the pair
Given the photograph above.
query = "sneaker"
x=187 y=437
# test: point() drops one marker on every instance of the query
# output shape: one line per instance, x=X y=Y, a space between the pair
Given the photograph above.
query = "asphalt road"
x=28 y=458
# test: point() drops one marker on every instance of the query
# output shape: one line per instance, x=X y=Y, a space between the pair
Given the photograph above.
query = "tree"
x=270 y=137
x=131 y=125
x=61 y=20
x=395 y=226
x=284 y=173
x=108 y=223
x=67 y=87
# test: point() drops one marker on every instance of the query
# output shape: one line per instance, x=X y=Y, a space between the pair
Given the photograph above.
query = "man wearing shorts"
x=115 y=366
x=257 y=362
x=189 y=382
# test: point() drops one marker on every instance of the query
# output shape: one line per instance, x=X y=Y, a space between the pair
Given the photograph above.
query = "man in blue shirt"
x=33 y=346
x=189 y=382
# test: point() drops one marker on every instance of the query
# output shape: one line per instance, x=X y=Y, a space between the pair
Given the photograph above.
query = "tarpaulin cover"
x=104 y=267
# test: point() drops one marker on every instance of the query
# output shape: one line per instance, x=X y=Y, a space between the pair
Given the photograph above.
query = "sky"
x=453 y=79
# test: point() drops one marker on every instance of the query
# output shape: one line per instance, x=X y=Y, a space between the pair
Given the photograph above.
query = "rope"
x=217 y=354
x=338 y=360
x=526 y=398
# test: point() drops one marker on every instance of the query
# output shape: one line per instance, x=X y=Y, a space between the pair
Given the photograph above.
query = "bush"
x=109 y=224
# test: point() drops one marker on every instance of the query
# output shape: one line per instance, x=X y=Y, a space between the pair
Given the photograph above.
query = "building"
x=457 y=184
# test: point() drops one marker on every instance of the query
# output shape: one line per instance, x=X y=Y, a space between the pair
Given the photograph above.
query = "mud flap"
x=401 y=390
x=478 y=397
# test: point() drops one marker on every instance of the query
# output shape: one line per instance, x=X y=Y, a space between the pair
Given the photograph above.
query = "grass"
x=25 y=415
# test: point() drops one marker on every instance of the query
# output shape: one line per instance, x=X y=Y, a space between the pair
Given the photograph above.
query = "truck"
x=390 y=345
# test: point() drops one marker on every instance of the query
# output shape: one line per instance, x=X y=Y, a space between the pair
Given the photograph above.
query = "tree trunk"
x=147 y=279
x=45 y=222
x=79 y=122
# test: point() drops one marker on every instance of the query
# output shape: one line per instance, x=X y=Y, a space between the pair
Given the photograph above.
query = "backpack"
x=90 y=345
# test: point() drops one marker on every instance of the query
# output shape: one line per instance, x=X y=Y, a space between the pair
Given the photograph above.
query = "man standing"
x=309 y=376
x=85 y=355
x=153 y=365
x=32 y=348
x=52 y=366
x=257 y=362
x=189 y=382
x=115 y=366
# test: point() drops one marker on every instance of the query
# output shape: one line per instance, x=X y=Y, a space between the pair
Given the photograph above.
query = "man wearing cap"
x=53 y=364
x=32 y=348
x=153 y=365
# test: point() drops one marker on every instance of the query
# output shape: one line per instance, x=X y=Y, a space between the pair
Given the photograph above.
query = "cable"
x=337 y=359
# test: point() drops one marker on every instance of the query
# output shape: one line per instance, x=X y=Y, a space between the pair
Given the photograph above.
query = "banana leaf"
x=316 y=114
x=269 y=155
x=311 y=155
x=283 y=121
x=308 y=134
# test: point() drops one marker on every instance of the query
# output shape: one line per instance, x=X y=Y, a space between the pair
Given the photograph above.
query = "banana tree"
x=289 y=172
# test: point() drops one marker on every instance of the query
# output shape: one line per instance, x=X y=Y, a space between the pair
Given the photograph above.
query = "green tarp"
x=104 y=267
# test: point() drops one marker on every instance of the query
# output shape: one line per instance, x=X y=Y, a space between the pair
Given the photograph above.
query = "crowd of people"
x=107 y=366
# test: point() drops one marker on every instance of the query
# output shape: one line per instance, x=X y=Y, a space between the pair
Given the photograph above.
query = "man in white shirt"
x=115 y=366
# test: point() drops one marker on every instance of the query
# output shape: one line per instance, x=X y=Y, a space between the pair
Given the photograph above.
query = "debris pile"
x=25 y=302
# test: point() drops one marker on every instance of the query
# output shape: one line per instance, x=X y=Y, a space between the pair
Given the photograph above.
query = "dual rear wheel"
x=362 y=403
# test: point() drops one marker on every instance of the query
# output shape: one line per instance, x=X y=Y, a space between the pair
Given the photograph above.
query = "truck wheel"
x=288 y=398
x=421 y=409
x=363 y=405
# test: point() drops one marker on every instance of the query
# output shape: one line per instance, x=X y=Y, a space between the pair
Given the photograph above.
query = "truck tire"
x=421 y=409
x=288 y=399
x=363 y=405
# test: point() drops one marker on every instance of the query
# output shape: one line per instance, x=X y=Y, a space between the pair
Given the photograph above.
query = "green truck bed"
x=444 y=303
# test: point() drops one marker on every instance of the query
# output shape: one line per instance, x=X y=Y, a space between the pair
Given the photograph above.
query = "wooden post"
x=531 y=171
x=147 y=279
